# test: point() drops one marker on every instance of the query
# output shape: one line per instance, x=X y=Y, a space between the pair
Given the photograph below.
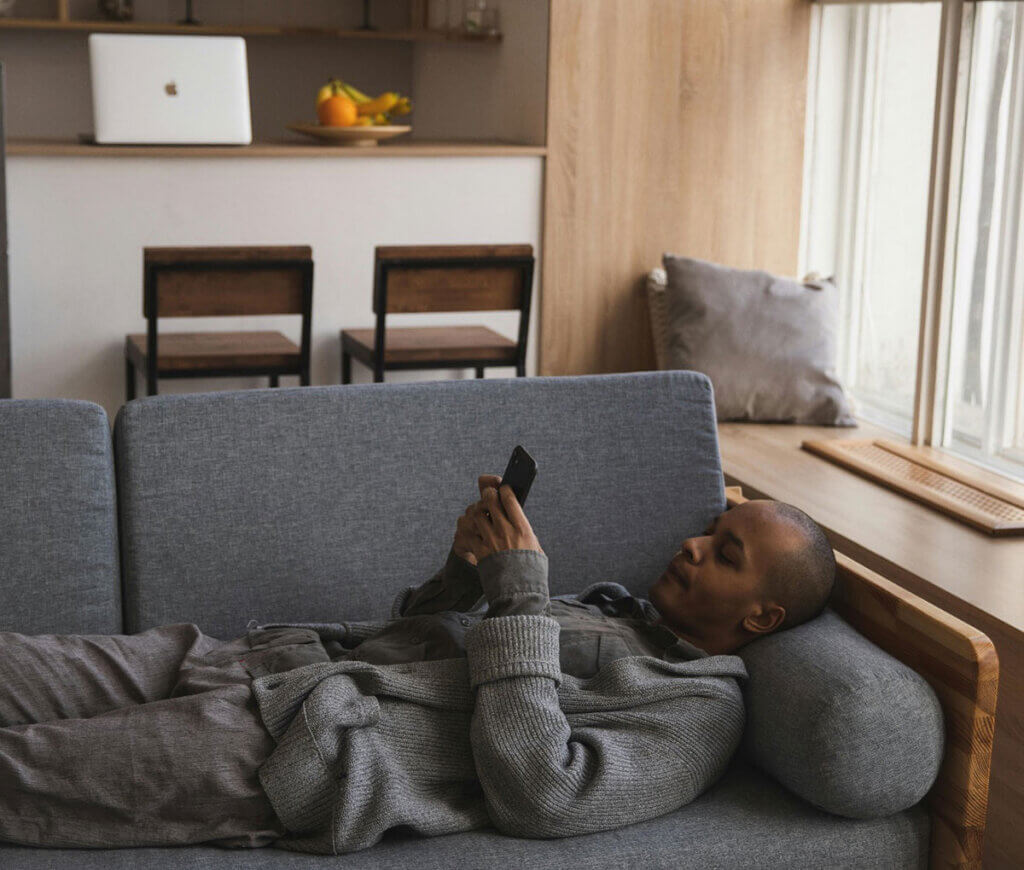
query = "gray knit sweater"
x=501 y=737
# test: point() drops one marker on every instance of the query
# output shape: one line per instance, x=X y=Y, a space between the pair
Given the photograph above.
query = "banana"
x=331 y=89
x=384 y=103
x=364 y=121
x=354 y=94
x=371 y=110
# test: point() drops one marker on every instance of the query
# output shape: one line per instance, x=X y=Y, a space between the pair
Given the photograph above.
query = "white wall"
x=78 y=226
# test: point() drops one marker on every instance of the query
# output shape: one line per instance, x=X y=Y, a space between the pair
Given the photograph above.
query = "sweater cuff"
x=515 y=582
x=513 y=646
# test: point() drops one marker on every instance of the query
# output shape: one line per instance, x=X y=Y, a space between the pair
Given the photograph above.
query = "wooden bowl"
x=349 y=136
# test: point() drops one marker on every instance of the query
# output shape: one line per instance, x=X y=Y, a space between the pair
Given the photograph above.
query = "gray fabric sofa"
x=319 y=504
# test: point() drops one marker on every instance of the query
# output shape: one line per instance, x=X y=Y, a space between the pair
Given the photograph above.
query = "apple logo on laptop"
x=172 y=89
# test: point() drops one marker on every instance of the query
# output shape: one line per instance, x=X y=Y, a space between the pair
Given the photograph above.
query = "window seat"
x=977 y=577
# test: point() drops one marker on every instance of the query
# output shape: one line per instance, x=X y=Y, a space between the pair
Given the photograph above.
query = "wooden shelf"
x=283 y=148
x=103 y=26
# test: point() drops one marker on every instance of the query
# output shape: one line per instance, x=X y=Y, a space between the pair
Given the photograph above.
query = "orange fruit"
x=337 y=111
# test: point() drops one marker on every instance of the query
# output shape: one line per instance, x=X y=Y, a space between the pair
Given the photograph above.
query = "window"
x=875 y=159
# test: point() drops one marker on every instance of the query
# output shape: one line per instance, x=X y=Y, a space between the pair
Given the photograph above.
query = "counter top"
x=282 y=148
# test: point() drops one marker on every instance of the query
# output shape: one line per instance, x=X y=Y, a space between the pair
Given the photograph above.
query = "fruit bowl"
x=349 y=136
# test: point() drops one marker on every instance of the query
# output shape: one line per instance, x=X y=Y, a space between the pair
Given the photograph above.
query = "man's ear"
x=764 y=618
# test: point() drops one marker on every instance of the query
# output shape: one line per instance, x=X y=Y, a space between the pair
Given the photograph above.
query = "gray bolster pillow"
x=839 y=721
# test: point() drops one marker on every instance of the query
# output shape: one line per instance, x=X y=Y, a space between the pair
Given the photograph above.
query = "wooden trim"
x=997 y=516
x=929 y=348
x=960 y=664
x=284 y=148
x=391 y=253
x=927 y=457
x=103 y=26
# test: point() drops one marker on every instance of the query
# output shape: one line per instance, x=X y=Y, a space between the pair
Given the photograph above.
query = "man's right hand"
x=466 y=537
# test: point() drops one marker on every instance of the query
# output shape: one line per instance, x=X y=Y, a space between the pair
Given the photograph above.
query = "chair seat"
x=431 y=344
x=185 y=351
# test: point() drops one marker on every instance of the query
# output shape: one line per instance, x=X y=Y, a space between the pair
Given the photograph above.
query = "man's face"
x=711 y=592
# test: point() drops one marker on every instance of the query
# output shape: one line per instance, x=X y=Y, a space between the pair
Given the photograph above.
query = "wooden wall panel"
x=672 y=126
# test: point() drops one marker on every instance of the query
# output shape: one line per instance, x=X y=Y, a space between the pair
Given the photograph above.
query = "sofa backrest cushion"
x=58 y=524
x=322 y=503
x=839 y=721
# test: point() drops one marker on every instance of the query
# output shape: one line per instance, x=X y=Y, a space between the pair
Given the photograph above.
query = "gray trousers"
x=151 y=739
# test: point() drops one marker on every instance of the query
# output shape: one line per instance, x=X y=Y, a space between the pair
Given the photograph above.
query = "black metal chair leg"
x=520 y=370
x=150 y=380
x=274 y=381
x=346 y=368
x=129 y=379
x=479 y=371
x=304 y=378
x=378 y=373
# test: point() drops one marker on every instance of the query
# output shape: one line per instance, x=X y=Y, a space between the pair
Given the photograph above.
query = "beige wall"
x=483 y=92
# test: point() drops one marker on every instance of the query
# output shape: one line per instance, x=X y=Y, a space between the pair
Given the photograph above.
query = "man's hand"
x=494 y=523
x=467 y=541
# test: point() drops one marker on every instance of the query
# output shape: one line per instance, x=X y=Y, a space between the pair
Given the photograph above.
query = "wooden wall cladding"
x=672 y=126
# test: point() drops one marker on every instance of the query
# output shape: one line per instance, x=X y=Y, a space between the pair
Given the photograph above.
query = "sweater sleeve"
x=455 y=587
x=543 y=777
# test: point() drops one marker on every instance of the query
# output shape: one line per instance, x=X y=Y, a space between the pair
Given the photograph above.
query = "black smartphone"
x=519 y=473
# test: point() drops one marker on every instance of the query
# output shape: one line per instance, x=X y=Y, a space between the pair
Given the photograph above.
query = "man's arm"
x=628 y=762
x=455 y=587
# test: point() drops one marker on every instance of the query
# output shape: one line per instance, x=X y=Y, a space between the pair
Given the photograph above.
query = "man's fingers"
x=487 y=481
x=513 y=509
x=495 y=506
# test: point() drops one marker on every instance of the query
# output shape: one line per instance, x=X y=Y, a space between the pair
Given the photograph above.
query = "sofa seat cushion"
x=745 y=820
x=839 y=721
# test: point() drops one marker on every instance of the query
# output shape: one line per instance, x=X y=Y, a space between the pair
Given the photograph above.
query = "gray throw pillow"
x=839 y=721
x=767 y=343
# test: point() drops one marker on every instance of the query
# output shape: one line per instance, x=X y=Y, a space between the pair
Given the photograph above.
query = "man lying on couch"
x=541 y=717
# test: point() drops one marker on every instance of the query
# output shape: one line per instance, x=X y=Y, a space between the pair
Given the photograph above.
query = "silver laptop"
x=169 y=90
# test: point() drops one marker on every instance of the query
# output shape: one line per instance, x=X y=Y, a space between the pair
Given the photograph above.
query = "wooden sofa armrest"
x=960 y=664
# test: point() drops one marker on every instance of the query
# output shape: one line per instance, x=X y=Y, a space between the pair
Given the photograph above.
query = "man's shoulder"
x=597 y=593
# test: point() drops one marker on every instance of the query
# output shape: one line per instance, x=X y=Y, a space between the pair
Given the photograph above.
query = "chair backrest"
x=225 y=281
x=321 y=503
x=432 y=278
x=59 y=571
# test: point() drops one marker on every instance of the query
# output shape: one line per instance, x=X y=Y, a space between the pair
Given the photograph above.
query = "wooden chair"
x=215 y=282
x=443 y=278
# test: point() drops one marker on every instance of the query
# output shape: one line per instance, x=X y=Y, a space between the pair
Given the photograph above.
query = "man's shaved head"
x=801 y=579
x=758 y=568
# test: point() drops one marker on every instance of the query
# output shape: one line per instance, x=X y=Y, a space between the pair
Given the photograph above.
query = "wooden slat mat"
x=978 y=504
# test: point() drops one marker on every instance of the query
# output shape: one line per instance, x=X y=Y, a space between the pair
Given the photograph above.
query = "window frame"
x=930 y=419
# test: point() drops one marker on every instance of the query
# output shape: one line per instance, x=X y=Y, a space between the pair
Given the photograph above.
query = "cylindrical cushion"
x=840 y=722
